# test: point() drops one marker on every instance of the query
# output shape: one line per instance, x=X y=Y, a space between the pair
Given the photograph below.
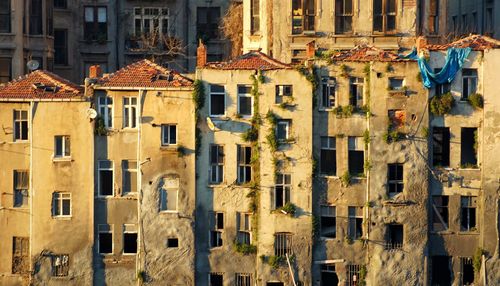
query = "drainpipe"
x=32 y=192
x=367 y=207
x=139 y=183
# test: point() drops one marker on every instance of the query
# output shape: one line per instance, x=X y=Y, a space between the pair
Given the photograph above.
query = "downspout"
x=139 y=190
x=32 y=192
x=367 y=203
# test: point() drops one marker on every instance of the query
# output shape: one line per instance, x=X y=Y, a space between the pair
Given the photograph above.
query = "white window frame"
x=246 y=95
x=105 y=105
x=59 y=265
x=160 y=17
x=130 y=108
x=99 y=169
x=18 y=120
x=213 y=215
x=242 y=165
x=164 y=190
x=285 y=186
x=131 y=171
x=167 y=128
x=210 y=100
x=281 y=96
x=131 y=230
x=287 y=128
x=469 y=79
x=64 y=148
x=217 y=165
x=57 y=199
x=327 y=84
x=245 y=228
x=105 y=228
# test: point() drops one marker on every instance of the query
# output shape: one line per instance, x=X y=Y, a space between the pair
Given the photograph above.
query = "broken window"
x=396 y=84
x=129 y=112
x=244 y=164
x=282 y=244
x=216 y=279
x=394 y=237
x=62 y=146
x=20 y=125
x=35 y=18
x=245 y=100
x=244 y=226
x=243 y=279
x=281 y=190
x=356 y=91
x=395 y=178
x=384 y=15
x=440 y=213
x=255 y=16
x=469 y=83
x=328 y=92
x=356 y=156
x=216 y=164
x=129 y=239
x=440 y=146
x=328 y=156
x=207 y=23
x=105 y=239
x=61 y=204
x=283 y=130
x=284 y=93
x=355 y=230
x=20 y=255
x=328 y=221
x=151 y=21
x=129 y=171
x=5 y=14
x=96 y=23
x=217 y=100
x=61 y=47
x=5 y=68
x=468 y=205
x=60 y=265
x=352 y=274
x=105 y=178
x=172 y=242
x=329 y=275
x=303 y=12
x=169 y=191
x=61 y=4
x=441 y=272
x=216 y=228
x=467 y=270
x=168 y=134
x=343 y=16
x=433 y=24
x=397 y=119
x=468 y=148
x=106 y=110
x=21 y=186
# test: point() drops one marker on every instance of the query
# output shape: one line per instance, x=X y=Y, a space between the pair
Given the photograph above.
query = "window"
x=329 y=275
x=49 y=19
x=468 y=213
x=396 y=84
x=282 y=190
x=60 y=265
x=488 y=23
x=129 y=112
x=355 y=230
x=96 y=23
x=129 y=239
x=129 y=173
x=351 y=271
x=106 y=185
x=469 y=83
x=60 y=4
x=20 y=255
x=168 y=134
x=244 y=164
x=433 y=17
x=62 y=146
x=21 y=186
x=244 y=226
x=151 y=21
x=61 y=204
x=282 y=244
x=439 y=213
x=61 y=47
x=395 y=178
x=207 y=23
x=216 y=164
x=284 y=94
x=217 y=100
x=169 y=191
x=328 y=221
x=467 y=270
x=328 y=156
x=328 y=92
x=172 y=242
x=394 y=237
x=5 y=12
x=20 y=125
x=243 y=279
x=343 y=16
x=441 y=270
x=283 y=130
x=255 y=16
x=245 y=107
x=35 y=18
x=468 y=147
x=442 y=88
x=105 y=239
x=384 y=15
x=440 y=146
x=356 y=156
x=303 y=12
x=216 y=279
x=106 y=110
x=356 y=88
x=5 y=67
x=217 y=228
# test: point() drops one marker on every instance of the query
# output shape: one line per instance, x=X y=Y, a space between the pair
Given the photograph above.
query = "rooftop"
x=367 y=54
x=475 y=42
x=254 y=60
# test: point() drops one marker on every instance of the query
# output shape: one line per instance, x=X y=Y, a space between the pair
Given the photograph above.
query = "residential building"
x=473 y=17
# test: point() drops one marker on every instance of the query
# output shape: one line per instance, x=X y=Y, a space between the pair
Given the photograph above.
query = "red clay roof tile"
x=366 y=54
x=475 y=42
x=254 y=60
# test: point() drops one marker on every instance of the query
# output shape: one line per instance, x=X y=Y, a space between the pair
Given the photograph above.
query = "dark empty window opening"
x=217 y=100
x=217 y=228
x=282 y=244
x=244 y=164
x=395 y=178
x=105 y=242
x=356 y=157
x=105 y=178
x=329 y=275
x=61 y=47
x=356 y=92
x=440 y=213
x=282 y=190
x=469 y=83
x=21 y=187
x=207 y=23
x=130 y=243
x=35 y=18
x=61 y=4
x=343 y=16
x=216 y=279
x=441 y=272
x=396 y=84
x=468 y=213
x=275 y=284
x=5 y=68
x=394 y=237
x=440 y=146
x=172 y=242
x=96 y=23
x=468 y=148
x=328 y=156
x=216 y=164
x=245 y=100
x=303 y=12
x=5 y=11
x=355 y=228
x=243 y=279
x=284 y=94
x=328 y=221
x=467 y=269
x=384 y=16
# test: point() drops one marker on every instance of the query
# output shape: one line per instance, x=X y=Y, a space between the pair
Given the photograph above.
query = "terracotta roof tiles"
x=475 y=42
x=254 y=60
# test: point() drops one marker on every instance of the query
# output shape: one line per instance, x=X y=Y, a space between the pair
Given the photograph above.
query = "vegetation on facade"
x=289 y=209
x=442 y=104
x=100 y=127
x=244 y=248
x=198 y=96
x=346 y=179
x=477 y=260
x=312 y=77
x=476 y=100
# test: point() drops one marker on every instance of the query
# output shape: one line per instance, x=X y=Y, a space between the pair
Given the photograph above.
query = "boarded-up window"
x=282 y=244
x=60 y=264
x=20 y=254
x=21 y=186
x=433 y=24
x=169 y=191
x=439 y=213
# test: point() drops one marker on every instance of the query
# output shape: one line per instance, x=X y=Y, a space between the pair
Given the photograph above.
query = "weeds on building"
x=476 y=100
x=346 y=179
x=244 y=248
x=100 y=127
x=289 y=208
x=442 y=104
x=198 y=97
x=477 y=260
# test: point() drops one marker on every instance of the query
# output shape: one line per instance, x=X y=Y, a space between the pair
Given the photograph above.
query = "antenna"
x=33 y=65
x=91 y=113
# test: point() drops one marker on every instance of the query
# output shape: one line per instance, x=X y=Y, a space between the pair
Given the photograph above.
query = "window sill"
x=328 y=176
x=220 y=185
x=129 y=130
x=62 y=217
x=129 y=254
x=472 y=232
x=169 y=212
x=327 y=238
x=442 y=232
x=105 y=197
x=169 y=148
x=61 y=159
x=222 y=117
x=7 y=34
x=326 y=109
x=469 y=169
x=20 y=141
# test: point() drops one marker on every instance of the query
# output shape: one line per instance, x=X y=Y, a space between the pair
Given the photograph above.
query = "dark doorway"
x=441 y=274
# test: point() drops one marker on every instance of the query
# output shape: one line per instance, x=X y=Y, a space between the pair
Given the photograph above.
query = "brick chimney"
x=201 y=55
x=95 y=71
x=311 y=49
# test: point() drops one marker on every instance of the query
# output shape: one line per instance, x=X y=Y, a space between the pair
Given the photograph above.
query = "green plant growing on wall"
x=367 y=166
x=198 y=97
x=425 y=132
x=100 y=128
x=419 y=77
x=344 y=70
x=311 y=75
x=348 y=239
x=476 y=100
x=275 y=261
x=244 y=248
x=289 y=208
x=477 y=260
x=389 y=68
x=442 y=104
x=141 y=276
x=347 y=110
x=271 y=137
x=346 y=179
x=366 y=138
x=363 y=271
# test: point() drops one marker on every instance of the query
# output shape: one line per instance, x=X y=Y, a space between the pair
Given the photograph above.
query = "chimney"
x=95 y=71
x=310 y=50
x=201 y=55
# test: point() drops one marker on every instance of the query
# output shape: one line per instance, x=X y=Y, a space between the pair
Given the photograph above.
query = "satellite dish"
x=91 y=113
x=33 y=65
x=211 y=124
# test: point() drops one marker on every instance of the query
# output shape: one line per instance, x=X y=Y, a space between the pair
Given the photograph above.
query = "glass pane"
x=66 y=207
x=89 y=14
x=67 y=146
x=101 y=15
x=173 y=134
x=58 y=146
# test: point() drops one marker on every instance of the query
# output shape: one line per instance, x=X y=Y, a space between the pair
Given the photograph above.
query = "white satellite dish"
x=211 y=124
x=33 y=65
x=91 y=113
